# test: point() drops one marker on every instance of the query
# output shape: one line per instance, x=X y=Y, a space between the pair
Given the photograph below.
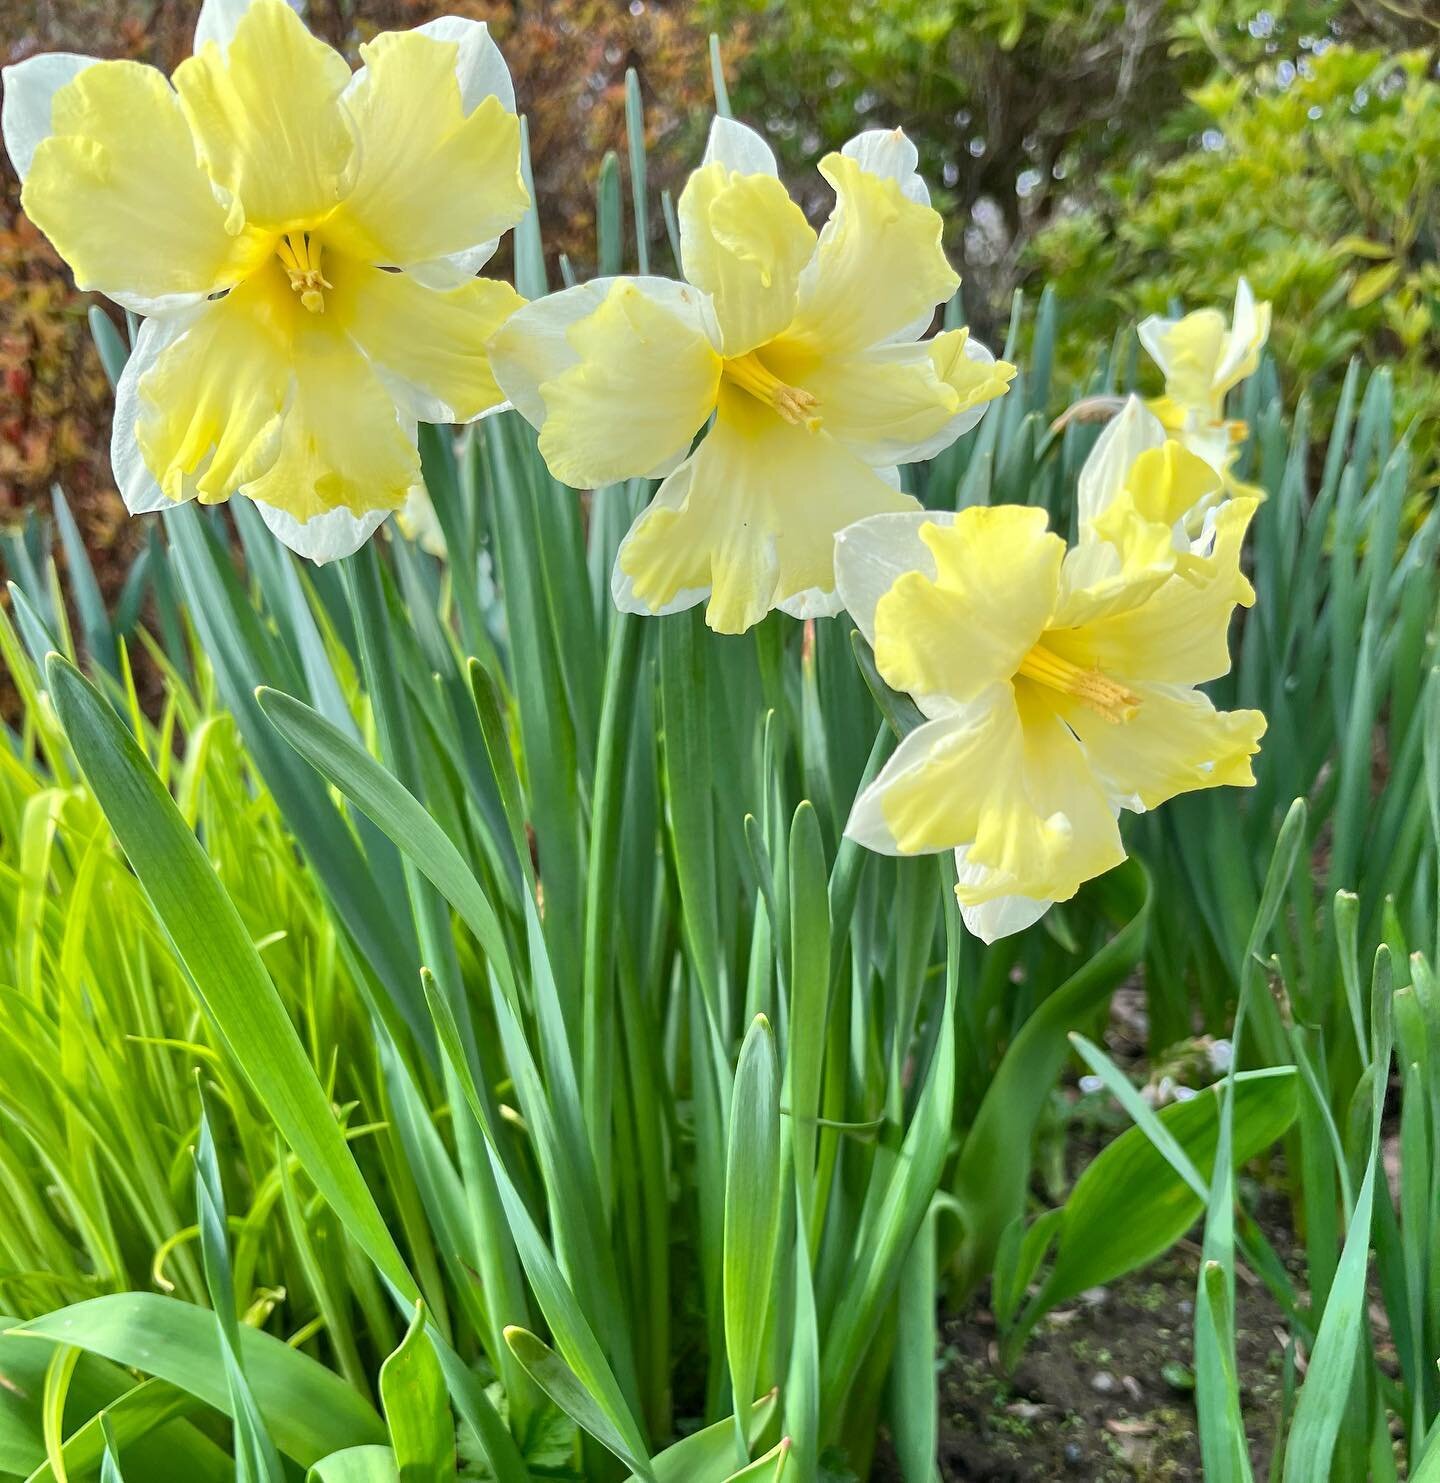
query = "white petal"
x=1002 y=917
x=137 y=486
x=29 y=88
x=1133 y=431
x=1153 y=333
x=325 y=537
x=738 y=147
x=1249 y=328
x=814 y=602
x=671 y=495
x=480 y=66
x=873 y=552
x=535 y=348
x=889 y=153
x=218 y=19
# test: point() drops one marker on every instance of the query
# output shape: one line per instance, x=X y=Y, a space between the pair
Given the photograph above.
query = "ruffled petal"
x=925 y=798
x=1001 y=916
x=343 y=445
x=997 y=574
x=641 y=385
x=266 y=113
x=1175 y=742
x=751 y=516
x=1180 y=634
x=430 y=342
x=873 y=554
x=1046 y=825
x=211 y=402
x=534 y=346
x=117 y=188
x=30 y=88
x=879 y=268
x=1103 y=475
x=898 y=403
x=436 y=177
x=744 y=242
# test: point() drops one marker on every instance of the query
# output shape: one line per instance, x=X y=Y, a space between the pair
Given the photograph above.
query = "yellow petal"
x=1045 y=825
x=752 y=516
x=431 y=340
x=267 y=115
x=1180 y=634
x=997 y=572
x=117 y=188
x=1188 y=351
x=643 y=385
x=1175 y=742
x=210 y=406
x=432 y=180
x=744 y=241
x=342 y=445
x=898 y=403
x=879 y=267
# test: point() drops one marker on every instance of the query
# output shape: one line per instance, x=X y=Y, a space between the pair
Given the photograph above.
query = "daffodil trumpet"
x=800 y=353
x=303 y=244
x=1059 y=687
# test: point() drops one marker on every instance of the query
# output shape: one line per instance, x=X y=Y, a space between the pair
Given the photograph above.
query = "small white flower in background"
x=303 y=243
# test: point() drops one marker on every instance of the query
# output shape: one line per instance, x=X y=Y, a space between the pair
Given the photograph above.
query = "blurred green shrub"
x=1319 y=182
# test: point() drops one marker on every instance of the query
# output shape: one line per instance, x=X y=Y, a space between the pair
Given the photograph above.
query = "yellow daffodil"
x=303 y=242
x=805 y=349
x=1203 y=359
x=1058 y=688
x=1143 y=495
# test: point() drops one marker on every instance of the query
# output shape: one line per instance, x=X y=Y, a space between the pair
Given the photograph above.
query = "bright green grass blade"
x=148 y=1423
x=217 y=950
x=310 y=1410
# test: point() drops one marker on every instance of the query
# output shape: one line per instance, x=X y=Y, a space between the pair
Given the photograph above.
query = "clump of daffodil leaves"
x=304 y=244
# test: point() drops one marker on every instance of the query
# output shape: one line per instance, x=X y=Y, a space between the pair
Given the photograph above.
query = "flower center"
x=751 y=374
x=299 y=253
x=1104 y=696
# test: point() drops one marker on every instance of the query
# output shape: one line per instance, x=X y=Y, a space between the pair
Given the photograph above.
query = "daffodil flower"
x=806 y=351
x=1143 y=496
x=1203 y=359
x=1056 y=693
x=303 y=242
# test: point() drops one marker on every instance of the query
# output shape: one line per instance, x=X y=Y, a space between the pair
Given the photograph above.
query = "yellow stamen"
x=299 y=254
x=1090 y=687
x=796 y=406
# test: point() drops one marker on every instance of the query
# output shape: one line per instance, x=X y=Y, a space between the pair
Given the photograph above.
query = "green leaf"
x=417 y=1410
x=218 y=951
x=356 y=1465
x=565 y=1388
x=309 y=1410
x=708 y=1456
x=752 y=1207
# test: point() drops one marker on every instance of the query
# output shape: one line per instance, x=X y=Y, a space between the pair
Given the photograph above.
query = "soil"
x=1104 y=1390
